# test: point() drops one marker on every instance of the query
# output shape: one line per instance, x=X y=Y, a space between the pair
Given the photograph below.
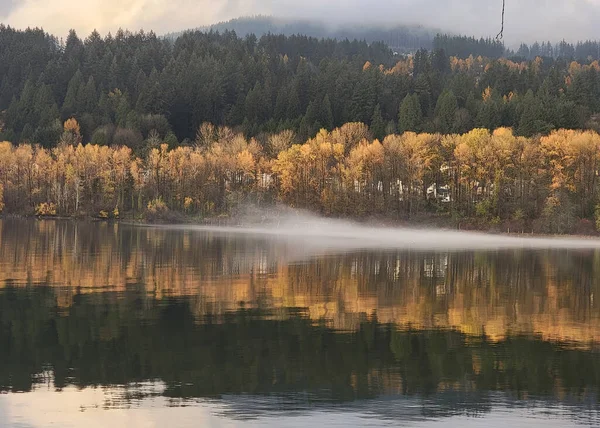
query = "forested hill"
x=400 y=38
x=405 y=39
x=121 y=88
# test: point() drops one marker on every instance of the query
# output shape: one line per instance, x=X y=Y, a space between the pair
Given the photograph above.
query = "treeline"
x=400 y=38
x=544 y=183
x=121 y=88
x=464 y=46
x=580 y=51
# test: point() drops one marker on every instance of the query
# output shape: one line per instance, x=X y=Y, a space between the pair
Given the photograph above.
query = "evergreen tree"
x=410 y=117
x=70 y=104
x=377 y=124
x=149 y=98
x=90 y=97
x=445 y=111
x=281 y=105
x=273 y=80
x=27 y=133
x=440 y=62
x=424 y=93
x=364 y=98
x=45 y=106
x=326 y=117
x=532 y=119
x=489 y=115
x=293 y=110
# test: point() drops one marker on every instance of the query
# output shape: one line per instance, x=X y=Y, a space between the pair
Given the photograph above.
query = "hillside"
x=121 y=88
x=400 y=38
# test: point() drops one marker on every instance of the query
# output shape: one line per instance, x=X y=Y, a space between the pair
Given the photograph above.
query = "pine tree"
x=90 y=97
x=363 y=98
x=140 y=83
x=293 y=110
x=27 y=133
x=377 y=124
x=149 y=98
x=326 y=117
x=281 y=105
x=69 y=107
x=253 y=103
x=423 y=91
x=489 y=113
x=303 y=85
x=410 y=117
x=445 y=111
x=45 y=106
x=532 y=117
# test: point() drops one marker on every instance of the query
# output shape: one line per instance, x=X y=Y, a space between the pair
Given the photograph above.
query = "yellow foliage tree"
x=71 y=132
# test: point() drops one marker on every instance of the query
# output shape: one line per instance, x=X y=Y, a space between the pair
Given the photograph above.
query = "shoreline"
x=243 y=222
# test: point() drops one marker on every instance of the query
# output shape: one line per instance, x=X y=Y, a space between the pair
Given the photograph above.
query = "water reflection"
x=548 y=292
x=252 y=328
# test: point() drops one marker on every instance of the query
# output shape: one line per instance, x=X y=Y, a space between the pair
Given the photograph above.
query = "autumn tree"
x=71 y=133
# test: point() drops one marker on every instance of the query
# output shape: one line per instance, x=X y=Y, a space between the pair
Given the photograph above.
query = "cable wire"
x=500 y=35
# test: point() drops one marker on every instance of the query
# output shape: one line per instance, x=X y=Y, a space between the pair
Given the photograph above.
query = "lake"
x=106 y=324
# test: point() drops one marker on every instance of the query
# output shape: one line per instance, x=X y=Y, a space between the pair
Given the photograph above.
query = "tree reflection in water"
x=216 y=317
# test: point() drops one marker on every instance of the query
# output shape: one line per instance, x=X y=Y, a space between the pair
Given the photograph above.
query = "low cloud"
x=58 y=16
x=526 y=20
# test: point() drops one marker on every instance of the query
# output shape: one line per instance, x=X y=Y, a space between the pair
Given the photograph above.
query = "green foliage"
x=489 y=115
x=533 y=120
x=445 y=112
x=484 y=209
x=410 y=116
x=463 y=46
x=377 y=124
x=142 y=83
x=326 y=117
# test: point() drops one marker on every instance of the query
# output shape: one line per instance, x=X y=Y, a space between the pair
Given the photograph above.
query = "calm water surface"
x=117 y=325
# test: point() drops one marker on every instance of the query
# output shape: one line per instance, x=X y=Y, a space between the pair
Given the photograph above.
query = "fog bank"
x=338 y=235
x=526 y=20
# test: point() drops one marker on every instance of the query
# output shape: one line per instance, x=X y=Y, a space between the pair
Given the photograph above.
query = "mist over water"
x=284 y=320
x=341 y=235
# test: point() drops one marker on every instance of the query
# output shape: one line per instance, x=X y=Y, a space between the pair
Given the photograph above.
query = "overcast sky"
x=526 y=20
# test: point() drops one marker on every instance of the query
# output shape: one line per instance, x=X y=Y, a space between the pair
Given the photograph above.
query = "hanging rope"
x=501 y=33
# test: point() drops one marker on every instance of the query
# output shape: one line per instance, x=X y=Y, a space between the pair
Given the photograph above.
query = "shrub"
x=188 y=203
x=158 y=211
x=157 y=206
x=108 y=214
x=46 y=209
